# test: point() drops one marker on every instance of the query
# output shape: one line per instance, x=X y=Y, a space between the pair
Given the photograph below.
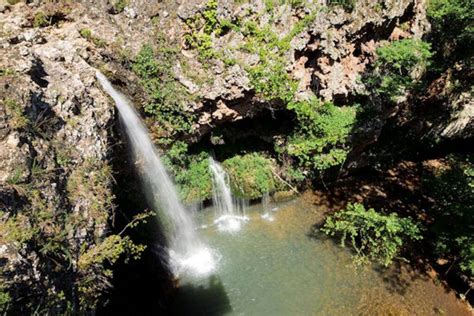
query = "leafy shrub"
x=269 y=77
x=396 y=66
x=209 y=23
x=168 y=99
x=251 y=175
x=373 y=235
x=320 y=139
x=195 y=180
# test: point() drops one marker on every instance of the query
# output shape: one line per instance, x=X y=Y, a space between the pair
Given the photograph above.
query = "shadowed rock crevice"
x=37 y=73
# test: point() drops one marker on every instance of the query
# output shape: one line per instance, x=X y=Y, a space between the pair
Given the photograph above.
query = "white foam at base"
x=230 y=223
x=199 y=263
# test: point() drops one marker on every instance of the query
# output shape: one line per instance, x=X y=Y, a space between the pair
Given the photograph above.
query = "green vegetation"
x=52 y=12
x=270 y=5
x=347 y=5
x=6 y=72
x=269 y=77
x=119 y=5
x=452 y=189
x=40 y=19
x=452 y=29
x=397 y=65
x=18 y=119
x=250 y=175
x=202 y=41
x=168 y=100
x=91 y=181
x=195 y=179
x=373 y=235
x=87 y=34
x=319 y=142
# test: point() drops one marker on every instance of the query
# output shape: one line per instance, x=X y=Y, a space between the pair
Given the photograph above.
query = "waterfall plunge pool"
x=277 y=268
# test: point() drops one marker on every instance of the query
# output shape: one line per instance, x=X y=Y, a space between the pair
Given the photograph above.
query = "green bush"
x=209 y=23
x=251 y=175
x=319 y=141
x=195 y=180
x=373 y=235
x=395 y=67
x=452 y=28
x=40 y=19
x=452 y=190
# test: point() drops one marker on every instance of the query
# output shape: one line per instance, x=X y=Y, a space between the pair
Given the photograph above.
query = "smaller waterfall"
x=266 y=207
x=230 y=211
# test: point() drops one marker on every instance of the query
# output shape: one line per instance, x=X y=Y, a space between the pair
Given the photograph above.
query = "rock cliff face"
x=55 y=122
x=54 y=150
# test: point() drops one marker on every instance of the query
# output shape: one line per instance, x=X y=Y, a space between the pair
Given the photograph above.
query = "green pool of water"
x=278 y=268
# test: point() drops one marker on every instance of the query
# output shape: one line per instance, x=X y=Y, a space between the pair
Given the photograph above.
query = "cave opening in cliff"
x=253 y=134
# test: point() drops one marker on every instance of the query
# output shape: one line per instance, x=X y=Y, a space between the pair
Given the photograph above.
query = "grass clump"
x=40 y=19
x=6 y=72
x=88 y=35
x=120 y=5
x=91 y=181
x=18 y=119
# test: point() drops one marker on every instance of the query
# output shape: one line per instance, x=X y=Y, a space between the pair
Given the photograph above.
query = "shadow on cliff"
x=140 y=287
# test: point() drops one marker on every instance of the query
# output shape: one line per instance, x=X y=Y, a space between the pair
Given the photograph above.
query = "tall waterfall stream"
x=187 y=252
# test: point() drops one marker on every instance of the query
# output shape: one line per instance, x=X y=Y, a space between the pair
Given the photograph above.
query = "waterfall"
x=229 y=211
x=266 y=214
x=187 y=253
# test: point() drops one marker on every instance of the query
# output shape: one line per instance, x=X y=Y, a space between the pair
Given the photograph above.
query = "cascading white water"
x=230 y=212
x=266 y=207
x=188 y=254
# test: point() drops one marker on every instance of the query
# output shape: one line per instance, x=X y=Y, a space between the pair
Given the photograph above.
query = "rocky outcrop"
x=326 y=58
x=55 y=134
